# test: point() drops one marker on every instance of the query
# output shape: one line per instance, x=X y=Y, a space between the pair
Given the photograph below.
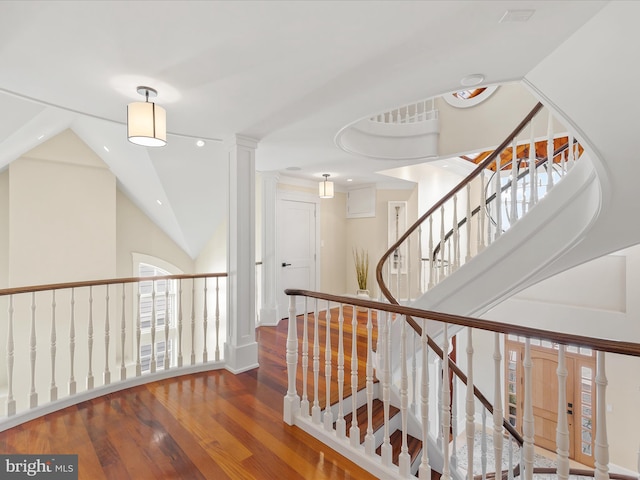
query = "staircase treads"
x=377 y=420
x=414 y=446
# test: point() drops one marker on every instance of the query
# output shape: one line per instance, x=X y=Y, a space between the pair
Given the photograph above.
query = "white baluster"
x=167 y=282
x=315 y=410
x=291 y=400
x=90 y=340
x=72 y=345
x=328 y=413
x=550 y=152
x=601 y=451
x=421 y=282
x=562 y=429
x=193 y=321
x=386 y=450
x=483 y=445
x=510 y=468
x=205 y=324
x=456 y=235
x=498 y=199
x=571 y=152
x=414 y=374
x=528 y=427
x=138 y=364
x=563 y=162
x=446 y=405
x=432 y=257
x=217 y=349
x=154 y=319
x=442 y=245
x=304 y=404
x=482 y=233
x=533 y=197
x=404 y=459
x=106 y=376
x=11 y=402
x=408 y=260
x=53 y=389
x=340 y=423
x=439 y=380
x=424 y=472
x=470 y=405
x=497 y=407
x=180 y=323
x=514 y=183
x=369 y=439
x=354 y=431
x=33 y=395
x=123 y=335
x=454 y=424
x=468 y=256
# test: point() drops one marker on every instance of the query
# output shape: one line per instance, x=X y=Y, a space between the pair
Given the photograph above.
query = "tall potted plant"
x=361 y=260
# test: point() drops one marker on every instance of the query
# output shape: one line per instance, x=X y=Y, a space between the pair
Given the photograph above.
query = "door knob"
x=286 y=264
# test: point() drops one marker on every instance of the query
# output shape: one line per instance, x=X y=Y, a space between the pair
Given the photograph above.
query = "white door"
x=296 y=260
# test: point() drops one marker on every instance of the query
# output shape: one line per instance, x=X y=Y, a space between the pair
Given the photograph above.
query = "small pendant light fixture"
x=146 y=122
x=325 y=188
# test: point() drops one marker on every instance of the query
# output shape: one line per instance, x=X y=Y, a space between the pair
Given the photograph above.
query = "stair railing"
x=513 y=193
x=70 y=342
x=343 y=330
x=430 y=231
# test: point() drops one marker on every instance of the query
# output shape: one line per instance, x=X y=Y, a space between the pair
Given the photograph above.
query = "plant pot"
x=364 y=295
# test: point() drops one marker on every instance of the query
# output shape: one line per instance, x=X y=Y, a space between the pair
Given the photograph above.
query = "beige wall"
x=4 y=229
x=62 y=215
x=137 y=233
x=333 y=244
x=371 y=235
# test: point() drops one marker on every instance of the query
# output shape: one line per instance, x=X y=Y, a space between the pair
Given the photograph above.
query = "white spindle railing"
x=413 y=113
x=376 y=453
x=503 y=197
x=42 y=323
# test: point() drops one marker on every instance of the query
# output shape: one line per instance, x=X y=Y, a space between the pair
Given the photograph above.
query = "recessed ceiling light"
x=41 y=137
x=349 y=179
x=200 y=143
x=472 y=80
x=293 y=169
x=105 y=148
x=158 y=202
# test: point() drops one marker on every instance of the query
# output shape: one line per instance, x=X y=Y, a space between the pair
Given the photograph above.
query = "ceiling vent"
x=516 y=16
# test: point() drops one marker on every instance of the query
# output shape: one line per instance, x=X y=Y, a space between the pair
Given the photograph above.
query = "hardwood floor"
x=212 y=425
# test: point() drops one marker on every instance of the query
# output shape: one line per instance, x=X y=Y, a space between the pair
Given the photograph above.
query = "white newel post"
x=292 y=400
x=241 y=348
x=269 y=308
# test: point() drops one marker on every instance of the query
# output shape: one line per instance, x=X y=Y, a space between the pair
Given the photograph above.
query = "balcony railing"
x=69 y=342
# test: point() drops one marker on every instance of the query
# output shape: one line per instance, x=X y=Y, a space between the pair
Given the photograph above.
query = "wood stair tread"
x=414 y=446
x=377 y=420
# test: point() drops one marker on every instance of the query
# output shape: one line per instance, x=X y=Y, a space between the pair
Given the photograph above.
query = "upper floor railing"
x=69 y=342
x=337 y=403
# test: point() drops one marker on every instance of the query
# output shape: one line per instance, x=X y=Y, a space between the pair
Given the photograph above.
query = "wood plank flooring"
x=212 y=425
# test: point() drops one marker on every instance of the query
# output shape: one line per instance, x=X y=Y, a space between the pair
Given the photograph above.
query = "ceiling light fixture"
x=146 y=122
x=200 y=143
x=325 y=188
x=472 y=80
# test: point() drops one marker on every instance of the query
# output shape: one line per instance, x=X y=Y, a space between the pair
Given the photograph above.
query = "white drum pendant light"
x=146 y=121
x=325 y=188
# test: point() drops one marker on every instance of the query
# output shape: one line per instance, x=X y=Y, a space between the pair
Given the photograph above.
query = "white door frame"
x=285 y=195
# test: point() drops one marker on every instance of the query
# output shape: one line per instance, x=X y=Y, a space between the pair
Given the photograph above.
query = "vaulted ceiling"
x=289 y=74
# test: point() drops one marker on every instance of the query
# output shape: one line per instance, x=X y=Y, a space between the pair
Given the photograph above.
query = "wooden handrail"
x=110 y=281
x=481 y=166
x=603 y=345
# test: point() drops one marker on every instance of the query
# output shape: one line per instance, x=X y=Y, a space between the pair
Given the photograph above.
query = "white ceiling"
x=289 y=74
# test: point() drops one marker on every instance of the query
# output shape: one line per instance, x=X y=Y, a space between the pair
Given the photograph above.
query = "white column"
x=269 y=308
x=241 y=348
